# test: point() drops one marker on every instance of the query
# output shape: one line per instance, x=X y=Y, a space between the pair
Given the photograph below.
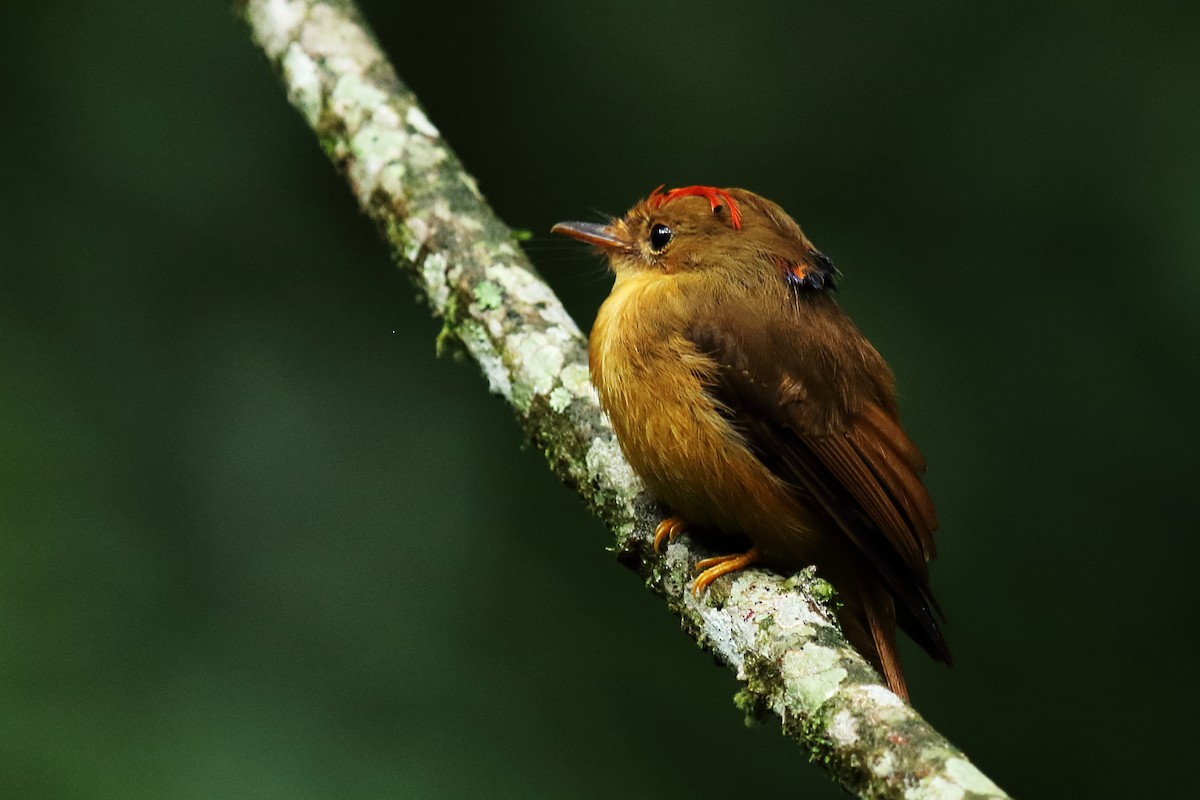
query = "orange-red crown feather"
x=716 y=198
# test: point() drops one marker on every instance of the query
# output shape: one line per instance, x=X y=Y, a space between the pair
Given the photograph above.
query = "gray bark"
x=775 y=632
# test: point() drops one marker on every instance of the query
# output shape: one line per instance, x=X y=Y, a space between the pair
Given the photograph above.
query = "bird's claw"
x=715 y=567
x=668 y=529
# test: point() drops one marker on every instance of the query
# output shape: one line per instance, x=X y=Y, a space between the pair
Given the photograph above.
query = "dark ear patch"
x=812 y=273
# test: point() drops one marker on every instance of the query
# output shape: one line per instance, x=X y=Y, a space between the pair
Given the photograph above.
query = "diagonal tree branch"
x=775 y=632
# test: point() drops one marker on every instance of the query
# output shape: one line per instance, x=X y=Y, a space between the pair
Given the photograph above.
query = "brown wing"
x=845 y=456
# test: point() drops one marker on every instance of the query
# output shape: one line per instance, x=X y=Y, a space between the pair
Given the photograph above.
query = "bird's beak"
x=599 y=235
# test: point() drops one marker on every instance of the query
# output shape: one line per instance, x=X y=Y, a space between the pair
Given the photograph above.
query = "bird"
x=753 y=408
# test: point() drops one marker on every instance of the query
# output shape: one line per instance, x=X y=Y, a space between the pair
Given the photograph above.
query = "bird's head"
x=702 y=228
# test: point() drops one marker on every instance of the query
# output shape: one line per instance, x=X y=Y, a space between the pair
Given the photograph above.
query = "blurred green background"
x=259 y=542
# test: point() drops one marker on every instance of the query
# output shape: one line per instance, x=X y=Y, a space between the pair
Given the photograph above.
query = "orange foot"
x=668 y=529
x=713 y=568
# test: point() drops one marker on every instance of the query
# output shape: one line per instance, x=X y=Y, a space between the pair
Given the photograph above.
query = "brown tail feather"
x=881 y=620
x=869 y=623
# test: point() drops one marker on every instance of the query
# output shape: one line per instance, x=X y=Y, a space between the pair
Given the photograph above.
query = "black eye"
x=660 y=237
